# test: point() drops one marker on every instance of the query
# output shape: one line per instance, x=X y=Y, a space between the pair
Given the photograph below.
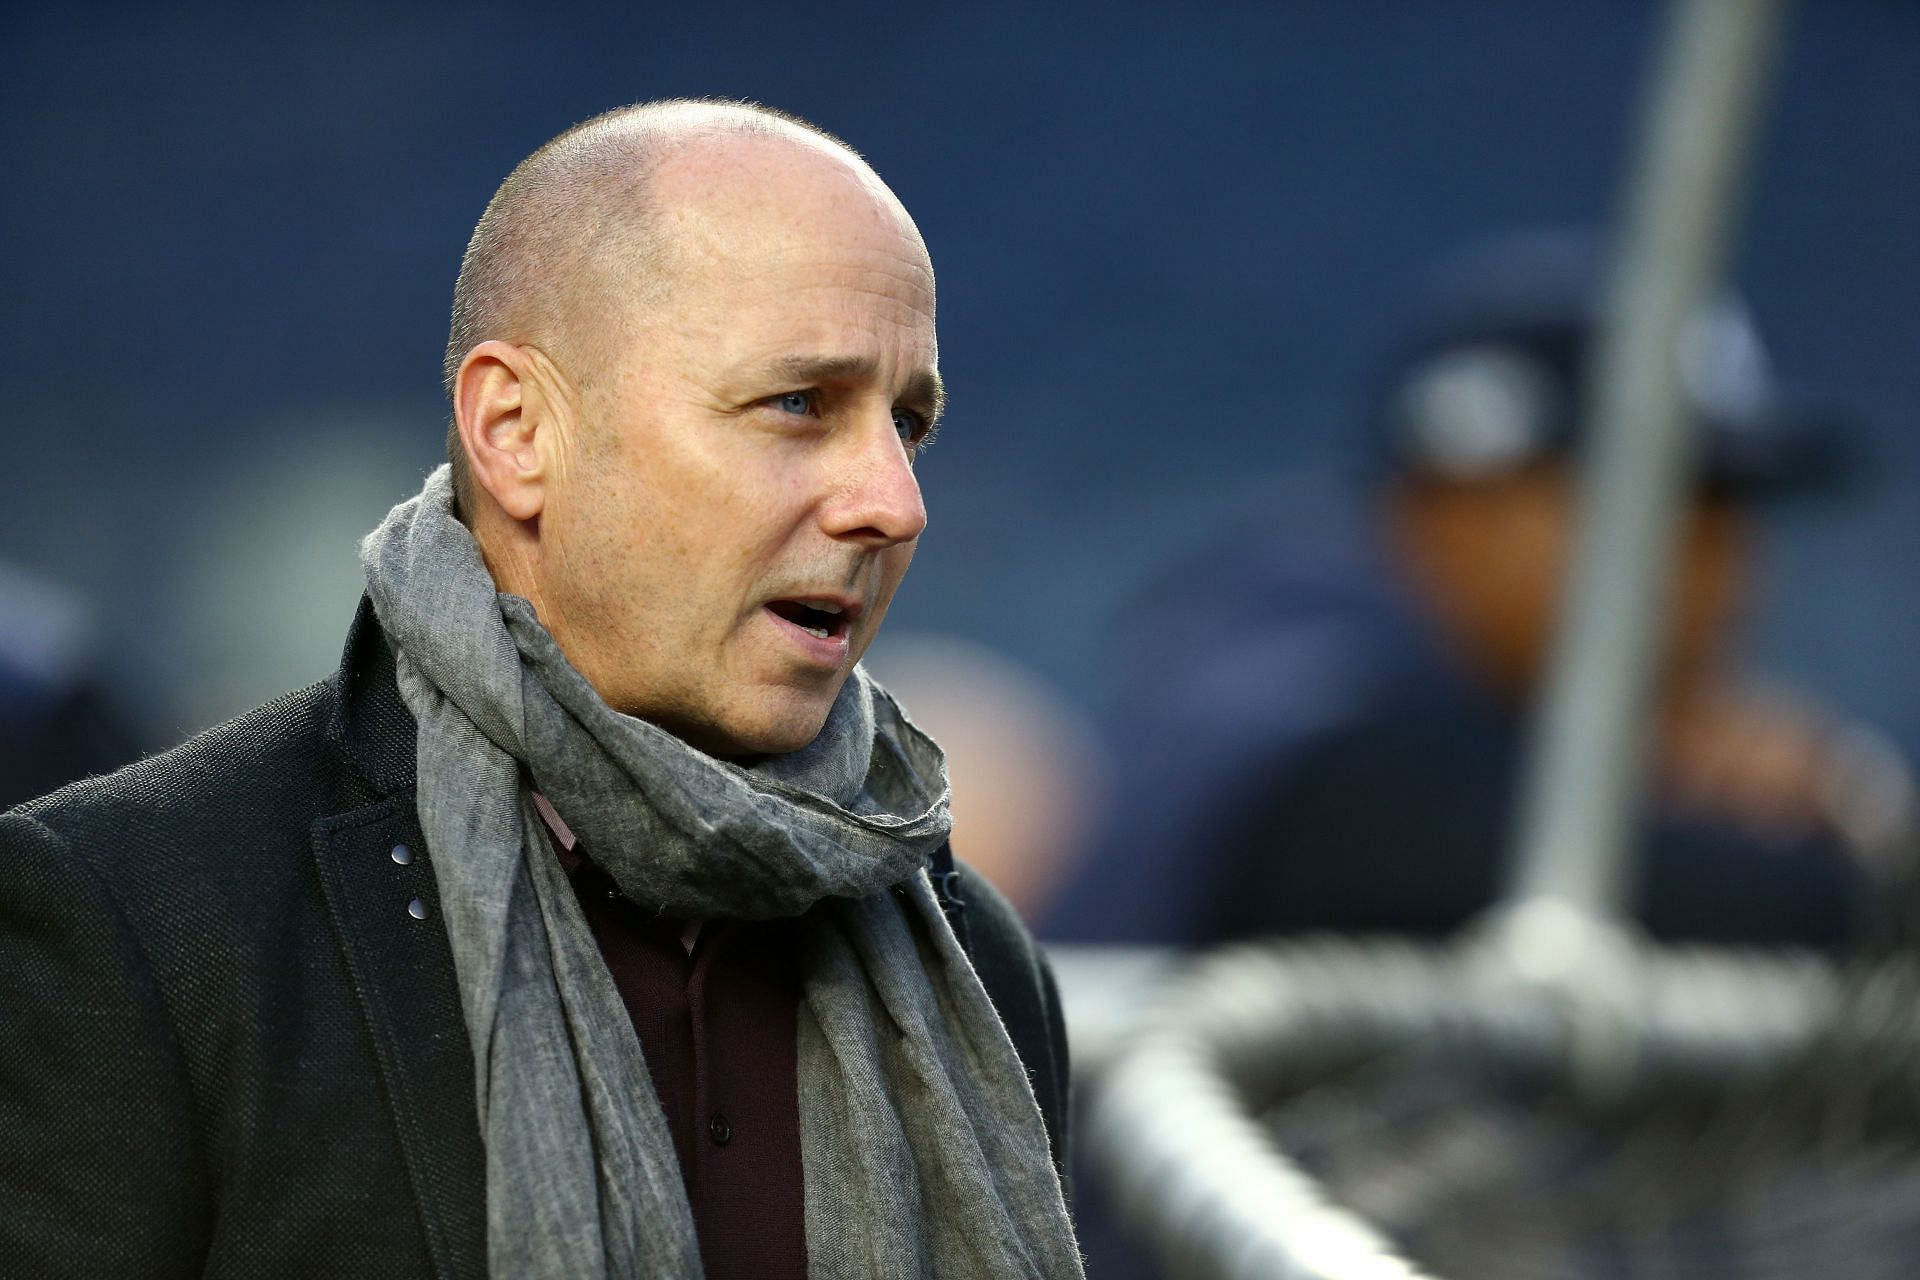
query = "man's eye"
x=800 y=402
x=913 y=428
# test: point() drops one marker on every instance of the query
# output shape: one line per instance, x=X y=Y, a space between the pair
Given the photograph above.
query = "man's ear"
x=501 y=407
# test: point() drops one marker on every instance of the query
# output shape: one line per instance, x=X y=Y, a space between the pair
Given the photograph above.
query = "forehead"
x=789 y=231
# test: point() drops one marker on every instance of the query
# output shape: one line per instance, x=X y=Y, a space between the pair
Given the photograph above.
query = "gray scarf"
x=923 y=1151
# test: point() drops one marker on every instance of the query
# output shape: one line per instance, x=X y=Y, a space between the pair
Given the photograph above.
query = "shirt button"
x=402 y=854
x=719 y=1130
x=417 y=909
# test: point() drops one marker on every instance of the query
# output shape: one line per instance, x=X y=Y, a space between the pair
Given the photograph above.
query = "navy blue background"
x=1169 y=240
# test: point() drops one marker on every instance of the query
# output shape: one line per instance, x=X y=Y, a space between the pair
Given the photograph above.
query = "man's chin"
x=774 y=730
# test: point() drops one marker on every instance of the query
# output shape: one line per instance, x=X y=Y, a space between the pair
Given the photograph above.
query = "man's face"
x=729 y=519
x=1499 y=551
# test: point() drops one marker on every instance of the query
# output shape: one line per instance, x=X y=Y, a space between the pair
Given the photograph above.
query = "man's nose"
x=876 y=499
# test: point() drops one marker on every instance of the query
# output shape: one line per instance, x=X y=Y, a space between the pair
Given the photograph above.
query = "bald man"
x=595 y=919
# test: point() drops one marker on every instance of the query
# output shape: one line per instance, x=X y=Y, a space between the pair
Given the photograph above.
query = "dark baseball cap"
x=1492 y=376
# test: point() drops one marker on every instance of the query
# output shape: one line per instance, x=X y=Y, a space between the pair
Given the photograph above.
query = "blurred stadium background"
x=1174 y=247
x=1169 y=242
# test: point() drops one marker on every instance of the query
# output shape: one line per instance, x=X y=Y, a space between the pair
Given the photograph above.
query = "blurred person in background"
x=596 y=917
x=1325 y=720
x=58 y=719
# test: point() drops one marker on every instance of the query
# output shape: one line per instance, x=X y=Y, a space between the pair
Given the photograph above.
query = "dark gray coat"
x=226 y=1047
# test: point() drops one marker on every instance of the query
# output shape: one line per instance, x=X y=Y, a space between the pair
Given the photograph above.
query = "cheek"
x=751 y=505
x=1708 y=591
x=1524 y=559
x=893 y=567
x=1526 y=554
x=622 y=554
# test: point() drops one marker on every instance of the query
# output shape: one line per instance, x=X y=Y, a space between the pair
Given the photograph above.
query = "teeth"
x=825 y=606
x=818 y=631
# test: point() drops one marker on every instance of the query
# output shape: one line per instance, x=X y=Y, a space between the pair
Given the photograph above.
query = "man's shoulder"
x=1015 y=973
x=1019 y=982
x=233 y=791
x=202 y=869
x=993 y=926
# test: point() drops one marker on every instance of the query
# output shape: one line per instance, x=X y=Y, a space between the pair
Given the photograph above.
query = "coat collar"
x=370 y=723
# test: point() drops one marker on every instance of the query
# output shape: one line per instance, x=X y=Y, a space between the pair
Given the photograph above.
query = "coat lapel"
x=377 y=876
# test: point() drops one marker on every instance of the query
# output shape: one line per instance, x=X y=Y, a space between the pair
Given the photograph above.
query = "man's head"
x=1482 y=414
x=692 y=360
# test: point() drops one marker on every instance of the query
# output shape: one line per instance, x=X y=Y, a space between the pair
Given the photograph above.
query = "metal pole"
x=1583 y=794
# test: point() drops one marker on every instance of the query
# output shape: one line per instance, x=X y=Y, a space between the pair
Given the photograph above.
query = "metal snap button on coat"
x=719 y=1130
x=402 y=854
x=417 y=909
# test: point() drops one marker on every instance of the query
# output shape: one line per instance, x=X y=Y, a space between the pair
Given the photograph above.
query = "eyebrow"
x=923 y=389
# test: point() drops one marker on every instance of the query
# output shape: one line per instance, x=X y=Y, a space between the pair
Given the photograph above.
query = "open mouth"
x=822 y=618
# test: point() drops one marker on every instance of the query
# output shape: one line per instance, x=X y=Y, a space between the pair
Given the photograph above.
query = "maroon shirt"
x=717 y=1026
